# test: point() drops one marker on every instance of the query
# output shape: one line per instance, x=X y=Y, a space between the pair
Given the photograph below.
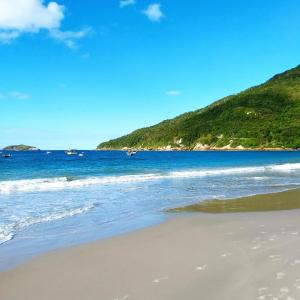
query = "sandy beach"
x=243 y=255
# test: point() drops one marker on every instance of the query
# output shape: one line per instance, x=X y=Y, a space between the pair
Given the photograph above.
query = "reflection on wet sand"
x=278 y=201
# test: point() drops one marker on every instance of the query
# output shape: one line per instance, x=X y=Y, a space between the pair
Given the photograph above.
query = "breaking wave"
x=57 y=183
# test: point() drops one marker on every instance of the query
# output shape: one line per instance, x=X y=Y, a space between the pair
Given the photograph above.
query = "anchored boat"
x=71 y=152
x=131 y=152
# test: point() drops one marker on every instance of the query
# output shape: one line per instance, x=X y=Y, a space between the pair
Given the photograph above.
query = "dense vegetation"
x=265 y=116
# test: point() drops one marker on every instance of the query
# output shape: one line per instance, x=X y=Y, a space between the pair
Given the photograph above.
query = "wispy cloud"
x=7 y=36
x=124 y=3
x=62 y=85
x=173 y=93
x=153 y=12
x=85 y=55
x=68 y=37
x=18 y=95
x=32 y=16
x=14 y=95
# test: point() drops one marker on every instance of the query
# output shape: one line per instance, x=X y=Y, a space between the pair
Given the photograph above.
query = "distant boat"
x=80 y=154
x=131 y=153
x=6 y=155
x=71 y=152
x=48 y=152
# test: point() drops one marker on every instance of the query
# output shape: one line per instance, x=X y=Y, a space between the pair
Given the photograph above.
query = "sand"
x=249 y=255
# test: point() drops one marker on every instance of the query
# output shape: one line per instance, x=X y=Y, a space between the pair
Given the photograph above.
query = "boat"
x=80 y=154
x=131 y=152
x=48 y=152
x=71 y=152
x=6 y=155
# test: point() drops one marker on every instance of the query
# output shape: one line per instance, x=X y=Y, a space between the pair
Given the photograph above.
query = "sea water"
x=52 y=200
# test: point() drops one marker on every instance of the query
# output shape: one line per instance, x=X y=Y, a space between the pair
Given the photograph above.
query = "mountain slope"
x=265 y=116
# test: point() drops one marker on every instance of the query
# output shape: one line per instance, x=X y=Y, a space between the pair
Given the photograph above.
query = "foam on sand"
x=7 y=232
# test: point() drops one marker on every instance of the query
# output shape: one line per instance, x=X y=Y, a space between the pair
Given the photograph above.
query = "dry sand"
x=234 y=256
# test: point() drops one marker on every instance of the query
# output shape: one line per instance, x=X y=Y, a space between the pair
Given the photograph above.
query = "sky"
x=76 y=73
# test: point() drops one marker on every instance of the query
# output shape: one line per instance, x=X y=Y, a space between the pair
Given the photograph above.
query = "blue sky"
x=75 y=73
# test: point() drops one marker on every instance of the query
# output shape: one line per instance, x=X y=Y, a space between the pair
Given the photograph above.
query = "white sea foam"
x=5 y=235
x=285 y=167
x=259 y=178
x=7 y=232
x=47 y=184
x=216 y=172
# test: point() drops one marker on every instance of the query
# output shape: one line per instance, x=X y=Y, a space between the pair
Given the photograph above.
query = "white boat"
x=71 y=152
x=80 y=154
x=6 y=155
x=48 y=152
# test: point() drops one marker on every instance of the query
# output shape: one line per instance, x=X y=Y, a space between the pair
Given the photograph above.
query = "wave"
x=286 y=167
x=48 y=184
x=7 y=232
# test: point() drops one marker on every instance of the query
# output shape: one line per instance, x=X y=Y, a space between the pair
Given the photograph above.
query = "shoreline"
x=202 y=150
x=241 y=253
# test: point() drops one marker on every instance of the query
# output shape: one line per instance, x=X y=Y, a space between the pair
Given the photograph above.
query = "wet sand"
x=234 y=256
x=269 y=202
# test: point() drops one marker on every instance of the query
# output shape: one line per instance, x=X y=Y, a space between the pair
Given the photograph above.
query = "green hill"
x=265 y=116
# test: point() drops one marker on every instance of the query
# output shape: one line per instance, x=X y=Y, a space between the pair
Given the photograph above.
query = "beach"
x=150 y=150
x=242 y=255
x=53 y=201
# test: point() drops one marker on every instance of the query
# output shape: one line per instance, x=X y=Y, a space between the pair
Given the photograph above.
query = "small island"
x=21 y=147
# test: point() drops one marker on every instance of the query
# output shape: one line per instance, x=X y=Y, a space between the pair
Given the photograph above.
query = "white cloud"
x=32 y=16
x=17 y=16
x=18 y=95
x=173 y=93
x=153 y=12
x=124 y=3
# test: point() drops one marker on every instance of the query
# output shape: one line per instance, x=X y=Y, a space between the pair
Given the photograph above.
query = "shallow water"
x=53 y=200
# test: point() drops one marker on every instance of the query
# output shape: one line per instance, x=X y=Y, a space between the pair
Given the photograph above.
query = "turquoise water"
x=52 y=200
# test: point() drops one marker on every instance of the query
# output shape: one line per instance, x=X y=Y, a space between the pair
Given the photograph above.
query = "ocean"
x=52 y=200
